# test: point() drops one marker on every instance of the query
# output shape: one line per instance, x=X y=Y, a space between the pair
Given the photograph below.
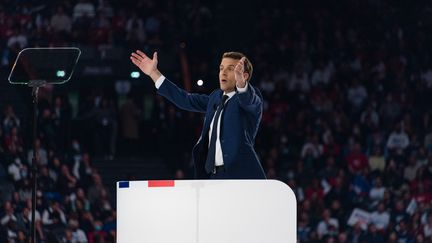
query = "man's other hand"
x=239 y=73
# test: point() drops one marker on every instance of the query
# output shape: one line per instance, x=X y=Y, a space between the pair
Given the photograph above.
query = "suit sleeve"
x=182 y=99
x=251 y=101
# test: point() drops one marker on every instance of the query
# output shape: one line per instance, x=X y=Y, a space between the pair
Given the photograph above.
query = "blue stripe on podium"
x=124 y=184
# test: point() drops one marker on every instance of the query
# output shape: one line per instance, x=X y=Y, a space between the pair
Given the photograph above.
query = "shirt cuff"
x=159 y=81
x=242 y=90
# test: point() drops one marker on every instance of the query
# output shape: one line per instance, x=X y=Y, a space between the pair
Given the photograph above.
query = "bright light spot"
x=200 y=82
x=61 y=73
x=135 y=74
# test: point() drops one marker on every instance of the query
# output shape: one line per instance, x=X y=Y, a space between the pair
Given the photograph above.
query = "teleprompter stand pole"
x=35 y=85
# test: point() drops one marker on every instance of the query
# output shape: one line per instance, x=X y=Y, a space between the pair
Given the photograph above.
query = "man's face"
x=226 y=74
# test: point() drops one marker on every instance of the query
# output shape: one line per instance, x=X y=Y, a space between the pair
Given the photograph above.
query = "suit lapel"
x=211 y=110
x=224 y=112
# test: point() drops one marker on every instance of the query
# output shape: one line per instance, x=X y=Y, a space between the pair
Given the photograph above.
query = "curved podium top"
x=206 y=211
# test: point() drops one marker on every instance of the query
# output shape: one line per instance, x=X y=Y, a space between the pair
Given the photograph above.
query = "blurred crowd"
x=346 y=122
x=72 y=203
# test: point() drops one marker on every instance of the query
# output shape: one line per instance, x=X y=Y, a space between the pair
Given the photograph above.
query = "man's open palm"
x=239 y=73
x=143 y=62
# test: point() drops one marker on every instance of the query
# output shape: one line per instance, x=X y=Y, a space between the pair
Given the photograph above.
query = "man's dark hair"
x=248 y=68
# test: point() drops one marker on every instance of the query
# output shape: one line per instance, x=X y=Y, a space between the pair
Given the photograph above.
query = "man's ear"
x=246 y=76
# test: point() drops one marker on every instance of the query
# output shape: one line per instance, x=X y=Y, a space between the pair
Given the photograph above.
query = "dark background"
x=346 y=123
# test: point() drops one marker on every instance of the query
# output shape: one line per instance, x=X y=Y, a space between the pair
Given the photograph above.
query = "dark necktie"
x=210 y=161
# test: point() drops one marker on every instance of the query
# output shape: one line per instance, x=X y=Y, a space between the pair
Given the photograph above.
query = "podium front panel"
x=206 y=211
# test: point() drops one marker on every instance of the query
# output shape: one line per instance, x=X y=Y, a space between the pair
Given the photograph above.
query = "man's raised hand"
x=239 y=73
x=145 y=64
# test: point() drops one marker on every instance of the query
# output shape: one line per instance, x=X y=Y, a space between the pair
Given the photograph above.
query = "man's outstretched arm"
x=178 y=96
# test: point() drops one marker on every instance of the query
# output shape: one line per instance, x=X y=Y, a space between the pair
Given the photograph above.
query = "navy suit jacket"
x=240 y=121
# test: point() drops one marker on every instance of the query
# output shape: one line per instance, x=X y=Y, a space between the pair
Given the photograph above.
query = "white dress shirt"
x=218 y=154
x=218 y=151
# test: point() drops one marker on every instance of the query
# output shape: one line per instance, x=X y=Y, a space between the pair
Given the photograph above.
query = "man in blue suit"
x=232 y=117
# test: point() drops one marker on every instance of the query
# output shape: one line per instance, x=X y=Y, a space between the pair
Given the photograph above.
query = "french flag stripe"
x=124 y=184
x=161 y=183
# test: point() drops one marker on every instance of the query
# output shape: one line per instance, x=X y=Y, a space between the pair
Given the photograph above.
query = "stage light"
x=200 y=82
x=135 y=74
x=60 y=73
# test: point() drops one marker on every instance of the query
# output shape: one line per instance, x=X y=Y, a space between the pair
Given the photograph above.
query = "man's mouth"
x=223 y=80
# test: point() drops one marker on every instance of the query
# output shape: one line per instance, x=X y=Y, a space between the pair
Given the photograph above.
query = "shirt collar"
x=230 y=94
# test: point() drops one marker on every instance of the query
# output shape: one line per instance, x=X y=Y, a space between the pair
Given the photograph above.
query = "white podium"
x=206 y=211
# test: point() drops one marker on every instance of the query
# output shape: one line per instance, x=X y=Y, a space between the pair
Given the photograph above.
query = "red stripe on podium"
x=161 y=183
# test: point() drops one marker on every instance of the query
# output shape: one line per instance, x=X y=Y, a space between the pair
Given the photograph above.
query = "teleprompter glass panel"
x=53 y=65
